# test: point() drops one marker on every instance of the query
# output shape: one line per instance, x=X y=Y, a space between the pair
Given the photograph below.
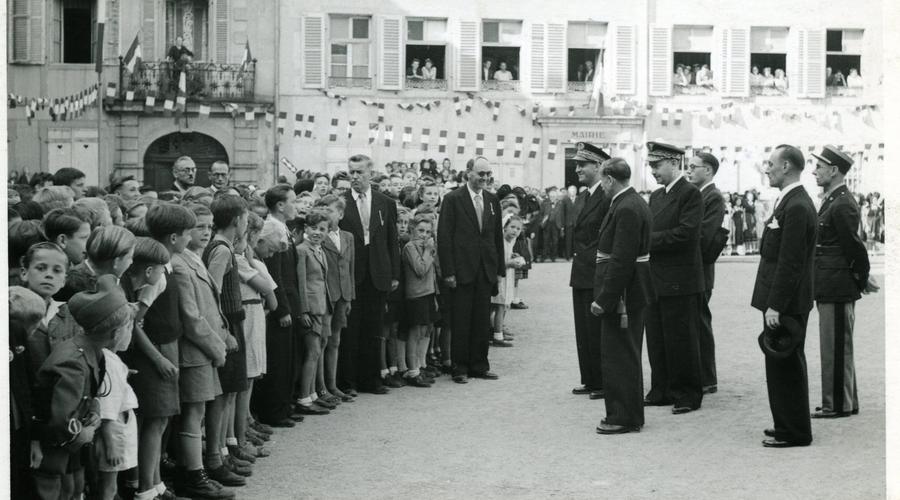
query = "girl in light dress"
x=512 y=227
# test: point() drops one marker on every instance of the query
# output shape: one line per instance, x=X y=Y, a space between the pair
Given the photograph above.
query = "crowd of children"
x=156 y=339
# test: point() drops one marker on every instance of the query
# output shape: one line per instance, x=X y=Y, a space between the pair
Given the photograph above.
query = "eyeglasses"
x=484 y=173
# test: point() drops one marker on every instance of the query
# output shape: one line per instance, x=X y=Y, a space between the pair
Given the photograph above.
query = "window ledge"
x=501 y=86
x=693 y=90
x=423 y=84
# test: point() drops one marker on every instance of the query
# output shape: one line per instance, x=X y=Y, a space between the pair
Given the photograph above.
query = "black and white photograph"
x=316 y=249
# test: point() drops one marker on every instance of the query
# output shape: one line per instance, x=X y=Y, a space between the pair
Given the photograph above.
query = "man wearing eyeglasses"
x=220 y=176
x=470 y=247
x=185 y=172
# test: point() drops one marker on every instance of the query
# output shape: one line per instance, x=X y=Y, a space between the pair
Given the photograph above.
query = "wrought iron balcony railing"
x=204 y=81
x=580 y=86
x=693 y=89
x=501 y=85
x=349 y=82
x=773 y=91
x=421 y=83
x=843 y=91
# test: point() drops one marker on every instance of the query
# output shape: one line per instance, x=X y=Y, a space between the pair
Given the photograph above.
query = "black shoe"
x=167 y=468
x=830 y=414
x=710 y=389
x=680 y=410
x=486 y=376
x=518 y=305
x=500 y=343
x=605 y=428
x=461 y=379
x=324 y=404
x=597 y=394
x=392 y=382
x=379 y=389
x=225 y=477
x=582 y=390
x=769 y=432
x=777 y=443
x=239 y=469
x=284 y=423
x=197 y=484
x=311 y=409
x=417 y=381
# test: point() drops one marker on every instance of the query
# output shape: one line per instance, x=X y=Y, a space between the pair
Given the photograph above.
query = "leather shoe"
x=769 y=432
x=225 y=477
x=310 y=410
x=377 y=390
x=597 y=394
x=680 y=410
x=710 y=389
x=582 y=390
x=853 y=412
x=324 y=404
x=606 y=428
x=284 y=423
x=461 y=379
x=656 y=402
x=500 y=343
x=776 y=443
x=830 y=414
x=487 y=376
x=518 y=305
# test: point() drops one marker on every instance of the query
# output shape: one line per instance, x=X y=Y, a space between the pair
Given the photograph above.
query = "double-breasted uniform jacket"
x=675 y=260
x=341 y=283
x=590 y=210
x=842 y=263
x=205 y=327
x=465 y=251
x=381 y=258
x=624 y=236
x=784 y=280
x=713 y=215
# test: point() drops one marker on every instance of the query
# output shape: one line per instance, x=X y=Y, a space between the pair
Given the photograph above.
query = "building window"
x=426 y=50
x=692 y=51
x=501 y=43
x=350 y=51
x=74 y=31
x=843 y=60
x=585 y=42
x=189 y=20
x=768 y=60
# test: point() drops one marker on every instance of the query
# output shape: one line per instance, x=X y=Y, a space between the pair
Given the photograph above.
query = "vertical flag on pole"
x=298 y=123
x=388 y=135
x=425 y=138
x=500 y=145
x=101 y=21
x=442 y=142
x=132 y=59
x=518 y=150
x=535 y=147
x=479 y=144
x=309 y=126
x=332 y=132
x=407 y=136
x=373 y=132
x=461 y=143
x=551 y=150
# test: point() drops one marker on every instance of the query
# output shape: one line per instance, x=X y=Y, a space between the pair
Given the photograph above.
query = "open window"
x=501 y=43
x=73 y=28
x=586 y=45
x=691 y=56
x=426 y=53
x=349 y=51
x=843 y=60
x=189 y=21
x=768 y=61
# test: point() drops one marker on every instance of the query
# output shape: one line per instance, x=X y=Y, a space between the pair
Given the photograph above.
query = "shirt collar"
x=708 y=184
x=789 y=188
x=473 y=194
x=620 y=192
x=672 y=184
x=593 y=188
x=367 y=192
x=832 y=190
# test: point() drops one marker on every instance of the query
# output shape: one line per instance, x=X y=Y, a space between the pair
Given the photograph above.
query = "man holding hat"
x=842 y=275
x=590 y=208
x=784 y=293
x=673 y=319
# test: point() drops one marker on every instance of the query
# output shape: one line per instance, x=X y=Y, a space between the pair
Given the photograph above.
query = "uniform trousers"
x=836 y=346
x=673 y=347
x=623 y=375
x=359 y=354
x=788 y=389
x=272 y=398
x=587 y=338
x=707 y=343
x=471 y=326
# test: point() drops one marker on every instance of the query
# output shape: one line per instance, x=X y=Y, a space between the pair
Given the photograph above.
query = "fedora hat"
x=780 y=342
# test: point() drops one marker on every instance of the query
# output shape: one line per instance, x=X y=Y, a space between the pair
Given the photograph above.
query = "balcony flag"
x=247 y=57
x=101 y=21
x=132 y=60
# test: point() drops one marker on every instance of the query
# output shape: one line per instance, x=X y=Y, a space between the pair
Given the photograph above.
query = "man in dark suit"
x=372 y=219
x=701 y=169
x=784 y=287
x=568 y=202
x=552 y=224
x=623 y=287
x=470 y=248
x=589 y=209
x=673 y=318
x=841 y=277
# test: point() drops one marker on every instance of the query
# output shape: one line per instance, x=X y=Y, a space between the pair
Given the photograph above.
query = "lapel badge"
x=774 y=224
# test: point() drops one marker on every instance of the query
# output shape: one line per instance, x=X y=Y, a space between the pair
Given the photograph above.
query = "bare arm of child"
x=165 y=367
x=114 y=454
x=260 y=284
x=271 y=300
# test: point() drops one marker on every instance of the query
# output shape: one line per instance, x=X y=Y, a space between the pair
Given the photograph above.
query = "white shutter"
x=390 y=53
x=148 y=31
x=661 y=60
x=815 y=64
x=556 y=58
x=313 y=49
x=468 y=57
x=735 y=65
x=221 y=26
x=538 y=74
x=795 y=57
x=19 y=27
x=623 y=44
x=36 y=31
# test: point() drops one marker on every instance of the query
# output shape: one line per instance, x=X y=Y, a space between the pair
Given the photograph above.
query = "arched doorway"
x=163 y=152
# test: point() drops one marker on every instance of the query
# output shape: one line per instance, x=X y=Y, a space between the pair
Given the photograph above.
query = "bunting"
x=350 y=125
x=500 y=145
x=332 y=131
x=298 y=125
x=406 y=138
x=457 y=106
x=282 y=121
x=535 y=147
x=425 y=138
x=461 y=143
x=442 y=142
x=388 y=135
x=518 y=147
x=373 y=132
x=380 y=112
x=551 y=150
x=479 y=144
x=310 y=120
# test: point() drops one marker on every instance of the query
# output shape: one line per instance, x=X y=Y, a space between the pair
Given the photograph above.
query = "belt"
x=604 y=257
x=829 y=250
x=251 y=301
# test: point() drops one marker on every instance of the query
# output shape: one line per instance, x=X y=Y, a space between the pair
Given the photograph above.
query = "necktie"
x=321 y=257
x=479 y=210
x=364 y=214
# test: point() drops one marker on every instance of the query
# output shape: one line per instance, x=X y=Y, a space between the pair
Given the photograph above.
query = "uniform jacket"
x=590 y=209
x=713 y=215
x=314 y=297
x=204 y=325
x=341 y=283
x=784 y=280
x=381 y=259
x=624 y=236
x=842 y=262
x=465 y=251
x=675 y=259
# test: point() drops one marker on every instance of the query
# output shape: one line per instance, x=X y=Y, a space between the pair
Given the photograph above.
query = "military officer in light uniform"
x=841 y=276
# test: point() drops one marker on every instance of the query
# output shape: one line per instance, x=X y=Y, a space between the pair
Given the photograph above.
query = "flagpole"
x=276 y=136
x=101 y=92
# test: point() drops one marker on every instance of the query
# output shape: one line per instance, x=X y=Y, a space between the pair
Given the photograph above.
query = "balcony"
x=767 y=91
x=693 y=89
x=832 y=91
x=423 y=84
x=206 y=82
x=500 y=85
x=343 y=82
x=580 y=86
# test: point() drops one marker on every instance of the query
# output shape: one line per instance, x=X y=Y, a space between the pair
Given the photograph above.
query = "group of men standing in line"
x=651 y=267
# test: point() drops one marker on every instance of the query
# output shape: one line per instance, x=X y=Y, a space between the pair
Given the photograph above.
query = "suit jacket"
x=204 y=325
x=713 y=215
x=381 y=258
x=624 y=236
x=314 y=297
x=784 y=280
x=464 y=250
x=569 y=210
x=341 y=283
x=553 y=214
x=283 y=268
x=589 y=209
x=842 y=262
x=675 y=241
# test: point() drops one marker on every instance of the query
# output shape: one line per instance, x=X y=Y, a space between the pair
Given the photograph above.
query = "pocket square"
x=774 y=224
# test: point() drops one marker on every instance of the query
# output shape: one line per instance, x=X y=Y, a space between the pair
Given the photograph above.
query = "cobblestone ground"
x=527 y=436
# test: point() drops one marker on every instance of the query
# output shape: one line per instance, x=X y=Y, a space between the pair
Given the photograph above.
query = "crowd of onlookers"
x=688 y=75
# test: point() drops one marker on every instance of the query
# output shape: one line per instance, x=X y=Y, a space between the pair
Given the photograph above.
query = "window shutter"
x=661 y=60
x=20 y=27
x=798 y=62
x=222 y=31
x=148 y=32
x=735 y=65
x=468 y=60
x=391 y=72
x=56 y=33
x=623 y=45
x=815 y=64
x=36 y=31
x=556 y=58
x=314 y=51
x=538 y=55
